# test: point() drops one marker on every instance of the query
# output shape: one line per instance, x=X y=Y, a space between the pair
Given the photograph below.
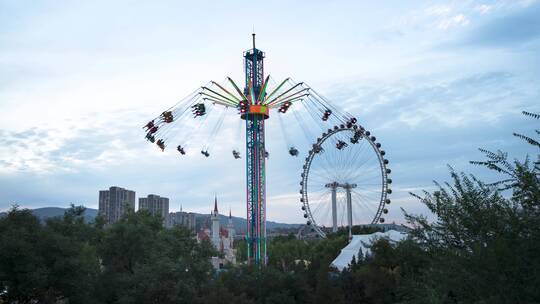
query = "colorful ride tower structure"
x=255 y=114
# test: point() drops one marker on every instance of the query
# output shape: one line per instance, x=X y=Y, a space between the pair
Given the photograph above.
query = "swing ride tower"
x=255 y=113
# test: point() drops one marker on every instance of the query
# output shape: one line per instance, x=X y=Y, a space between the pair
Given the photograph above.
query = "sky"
x=434 y=80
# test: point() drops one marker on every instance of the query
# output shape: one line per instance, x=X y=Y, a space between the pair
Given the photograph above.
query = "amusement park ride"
x=345 y=157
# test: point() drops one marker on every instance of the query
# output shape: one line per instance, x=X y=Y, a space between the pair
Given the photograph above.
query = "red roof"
x=224 y=232
x=201 y=235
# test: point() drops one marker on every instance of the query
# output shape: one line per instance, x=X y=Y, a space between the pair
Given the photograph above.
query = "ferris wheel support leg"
x=334 y=210
x=349 y=211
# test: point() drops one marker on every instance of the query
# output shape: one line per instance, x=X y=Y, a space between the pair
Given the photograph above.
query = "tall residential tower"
x=115 y=202
x=156 y=205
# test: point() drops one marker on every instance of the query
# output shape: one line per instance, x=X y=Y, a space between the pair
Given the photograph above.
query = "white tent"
x=363 y=242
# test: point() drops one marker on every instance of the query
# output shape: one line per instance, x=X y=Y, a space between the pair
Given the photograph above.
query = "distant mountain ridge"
x=47 y=212
x=239 y=223
x=200 y=219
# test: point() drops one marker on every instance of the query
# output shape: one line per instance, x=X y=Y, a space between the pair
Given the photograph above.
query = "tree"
x=46 y=263
x=146 y=263
x=484 y=244
x=22 y=271
x=327 y=290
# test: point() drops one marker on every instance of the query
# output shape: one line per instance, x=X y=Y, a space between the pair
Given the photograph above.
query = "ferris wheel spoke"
x=346 y=151
x=318 y=202
x=367 y=193
x=364 y=157
x=329 y=157
x=366 y=185
x=320 y=218
x=366 y=160
x=368 y=200
x=321 y=215
x=362 y=215
x=356 y=168
x=331 y=172
x=325 y=159
x=364 y=204
x=375 y=182
x=367 y=176
x=322 y=179
x=366 y=172
x=343 y=211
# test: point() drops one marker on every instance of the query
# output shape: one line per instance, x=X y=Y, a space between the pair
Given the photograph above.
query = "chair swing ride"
x=345 y=162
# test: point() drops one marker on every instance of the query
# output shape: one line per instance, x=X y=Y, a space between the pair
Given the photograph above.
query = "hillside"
x=201 y=219
x=239 y=223
x=47 y=212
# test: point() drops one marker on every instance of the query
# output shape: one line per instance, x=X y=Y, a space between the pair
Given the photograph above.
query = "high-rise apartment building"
x=184 y=219
x=115 y=202
x=156 y=204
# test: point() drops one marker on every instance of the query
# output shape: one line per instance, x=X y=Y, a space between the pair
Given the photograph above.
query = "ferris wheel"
x=345 y=180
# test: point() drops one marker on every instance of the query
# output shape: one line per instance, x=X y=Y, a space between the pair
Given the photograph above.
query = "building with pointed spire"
x=230 y=227
x=216 y=233
x=222 y=238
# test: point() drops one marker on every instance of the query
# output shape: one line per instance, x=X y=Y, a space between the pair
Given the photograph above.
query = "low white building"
x=363 y=242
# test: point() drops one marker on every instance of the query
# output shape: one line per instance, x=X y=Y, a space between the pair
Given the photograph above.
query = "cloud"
x=423 y=124
x=457 y=20
x=517 y=27
x=440 y=10
x=53 y=152
x=387 y=35
x=483 y=8
x=419 y=102
x=90 y=143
